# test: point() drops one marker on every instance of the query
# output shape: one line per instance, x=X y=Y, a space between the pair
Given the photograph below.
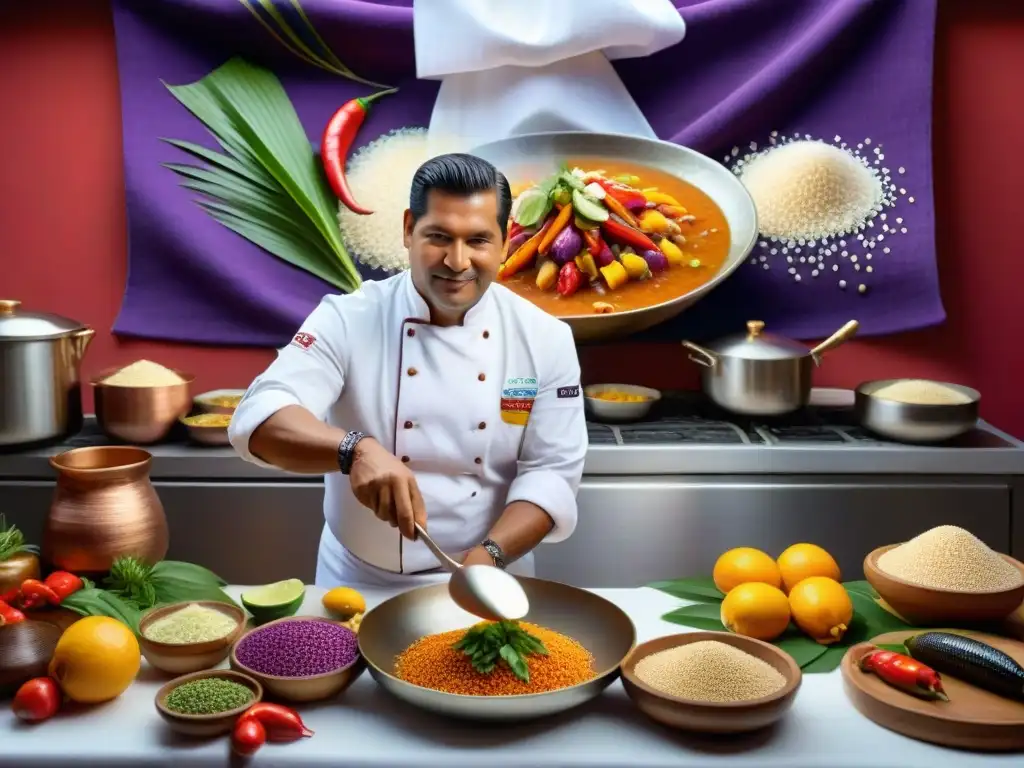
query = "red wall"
x=62 y=217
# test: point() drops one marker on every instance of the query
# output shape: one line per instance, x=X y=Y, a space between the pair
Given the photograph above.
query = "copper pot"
x=104 y=507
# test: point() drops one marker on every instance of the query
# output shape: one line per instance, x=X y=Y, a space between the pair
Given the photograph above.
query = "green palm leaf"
x=267 y=185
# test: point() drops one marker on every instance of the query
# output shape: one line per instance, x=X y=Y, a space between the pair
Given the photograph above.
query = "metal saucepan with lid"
x=40 y=389
x=762 y=374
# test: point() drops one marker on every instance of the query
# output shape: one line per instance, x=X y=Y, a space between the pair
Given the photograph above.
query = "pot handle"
x=841 y=336
x=704 y=357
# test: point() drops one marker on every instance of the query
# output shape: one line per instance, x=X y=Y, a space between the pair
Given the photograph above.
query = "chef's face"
x=454 y=251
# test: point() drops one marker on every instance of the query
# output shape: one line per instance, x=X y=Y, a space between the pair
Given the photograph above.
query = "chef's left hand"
x=478 y=556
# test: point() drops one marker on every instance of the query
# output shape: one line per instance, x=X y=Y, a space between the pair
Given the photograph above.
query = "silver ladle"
x=483 y=590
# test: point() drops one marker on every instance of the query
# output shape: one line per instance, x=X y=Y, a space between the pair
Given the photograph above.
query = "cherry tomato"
x=38 y=699
x=249 y=735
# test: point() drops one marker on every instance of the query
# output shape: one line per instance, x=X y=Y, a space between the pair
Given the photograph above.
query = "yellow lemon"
x=95 y=660
x=756 y=610
x=344 y=602
x=743 y=565
x=821 y=608
x=801 y=561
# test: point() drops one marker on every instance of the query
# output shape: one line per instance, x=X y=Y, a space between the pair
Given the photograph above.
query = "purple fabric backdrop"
x=857 y=71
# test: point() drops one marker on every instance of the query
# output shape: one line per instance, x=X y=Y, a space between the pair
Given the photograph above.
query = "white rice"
x=143 y=373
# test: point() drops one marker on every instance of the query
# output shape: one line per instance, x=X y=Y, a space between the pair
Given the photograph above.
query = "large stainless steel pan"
x=535 y=155
x=599 y=625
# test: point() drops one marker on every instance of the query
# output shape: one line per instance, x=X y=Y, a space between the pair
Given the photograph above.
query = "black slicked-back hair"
x=462 y=175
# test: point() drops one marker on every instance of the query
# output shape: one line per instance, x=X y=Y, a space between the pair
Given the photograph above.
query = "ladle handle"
x=447 y=562
x=844 y=334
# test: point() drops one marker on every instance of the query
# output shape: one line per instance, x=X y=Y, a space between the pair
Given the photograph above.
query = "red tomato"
x=36 y=700
x=249 y=735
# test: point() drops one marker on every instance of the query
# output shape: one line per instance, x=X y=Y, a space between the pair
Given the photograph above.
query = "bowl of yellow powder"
x=140 y=403
x=186 y=637
x=946 y=576
x=619 y=402
x=208 y=428
x=711 y=682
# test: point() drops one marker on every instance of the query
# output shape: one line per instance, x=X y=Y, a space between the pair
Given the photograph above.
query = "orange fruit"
x=743 y=565
x=821 y=608
x=756 y=610
x=95 y=660
x=801 y=561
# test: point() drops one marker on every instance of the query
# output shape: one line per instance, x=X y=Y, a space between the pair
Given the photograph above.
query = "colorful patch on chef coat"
x=304 y=340
x=517 y=397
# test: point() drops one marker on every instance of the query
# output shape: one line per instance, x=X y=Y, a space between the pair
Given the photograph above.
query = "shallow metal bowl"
x=599 y=625
x=535 y=155
x=913 y=422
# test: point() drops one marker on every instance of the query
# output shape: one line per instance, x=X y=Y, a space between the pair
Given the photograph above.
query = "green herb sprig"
x=12 y=542
x=169 y=581
x=488 y=644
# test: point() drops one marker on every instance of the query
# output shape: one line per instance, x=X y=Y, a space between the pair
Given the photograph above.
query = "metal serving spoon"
x=482 y=590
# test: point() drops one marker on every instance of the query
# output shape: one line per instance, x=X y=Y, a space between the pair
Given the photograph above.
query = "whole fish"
x=970 y=660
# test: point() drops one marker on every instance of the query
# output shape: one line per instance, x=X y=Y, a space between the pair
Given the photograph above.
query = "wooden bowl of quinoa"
x=711 y=682
x=205 y=725
x=946 y=576
x=179 y=658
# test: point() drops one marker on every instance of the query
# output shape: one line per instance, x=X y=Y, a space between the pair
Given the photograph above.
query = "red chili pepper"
x=36 y=594
x=11 y=596
x=514 y=229
x=628 y=236
x=248 y=736
x=338 y=136
x=904 y=673
x=63 y=583
x=281 y=723
x=628 y=197
x=9 y=614
x=569 y=279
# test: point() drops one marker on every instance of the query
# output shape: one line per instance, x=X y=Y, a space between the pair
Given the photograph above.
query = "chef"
x=434 y=396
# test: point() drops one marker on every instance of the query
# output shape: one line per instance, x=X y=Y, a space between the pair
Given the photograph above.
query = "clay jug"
x=104 y=506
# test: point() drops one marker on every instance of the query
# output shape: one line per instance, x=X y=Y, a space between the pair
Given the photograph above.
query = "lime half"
x=274 y=601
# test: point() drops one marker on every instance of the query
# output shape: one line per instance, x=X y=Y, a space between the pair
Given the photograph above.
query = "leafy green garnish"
x=90 y=601
x=487 y=644
x=12 y=542
x=131 y=580
x=169 y=581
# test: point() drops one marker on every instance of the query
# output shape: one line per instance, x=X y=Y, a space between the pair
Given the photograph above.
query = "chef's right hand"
x=386 y=486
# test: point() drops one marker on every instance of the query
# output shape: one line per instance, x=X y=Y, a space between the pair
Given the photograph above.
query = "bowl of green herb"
x=207 y=703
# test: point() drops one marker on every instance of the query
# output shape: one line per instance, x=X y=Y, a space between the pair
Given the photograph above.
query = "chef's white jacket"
x=484 y=414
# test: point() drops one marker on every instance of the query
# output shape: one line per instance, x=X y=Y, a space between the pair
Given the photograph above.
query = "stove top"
x=690 y=419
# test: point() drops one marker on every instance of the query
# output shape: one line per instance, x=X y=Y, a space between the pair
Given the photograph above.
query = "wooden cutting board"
x=971 y=719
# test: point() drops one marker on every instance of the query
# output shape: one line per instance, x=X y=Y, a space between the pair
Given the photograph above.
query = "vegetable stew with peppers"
x=603 y=236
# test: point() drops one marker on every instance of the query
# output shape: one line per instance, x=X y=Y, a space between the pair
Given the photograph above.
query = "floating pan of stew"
x=713 y=209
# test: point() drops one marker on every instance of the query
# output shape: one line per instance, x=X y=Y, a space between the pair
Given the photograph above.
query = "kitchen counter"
x=367 y=727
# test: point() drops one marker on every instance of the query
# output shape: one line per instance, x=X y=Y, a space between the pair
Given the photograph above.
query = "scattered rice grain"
x=709 y=670
x=948 y=557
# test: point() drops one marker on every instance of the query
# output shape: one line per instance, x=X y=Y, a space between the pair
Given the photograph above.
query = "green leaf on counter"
x=828 y=661
x=699 y=590
x=860 y=587
x=267 y=185
x=705 y=616
x=798 y=645
x=894 y=647
x=176 y=581
x=90 y=601
x=876 y=619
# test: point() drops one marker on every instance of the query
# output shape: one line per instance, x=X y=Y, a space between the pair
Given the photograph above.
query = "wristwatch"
x=496 y=552
x=347 y=451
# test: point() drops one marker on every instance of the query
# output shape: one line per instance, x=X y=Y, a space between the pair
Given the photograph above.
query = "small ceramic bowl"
x=301 y=689
x=205 y=434
x=181 y=658
x=929 y=607
x=712 y=717
x=206 y=402
x=615 y=410
x=205 y=725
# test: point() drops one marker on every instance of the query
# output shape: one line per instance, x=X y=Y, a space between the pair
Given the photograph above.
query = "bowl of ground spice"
x=300 y=658
x=190 y=636
x=207 y=703
x=946 y=576
x=711 y=682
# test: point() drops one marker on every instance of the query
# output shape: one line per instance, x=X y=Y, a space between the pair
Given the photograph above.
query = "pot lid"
x=16 y=323
x=755 y=344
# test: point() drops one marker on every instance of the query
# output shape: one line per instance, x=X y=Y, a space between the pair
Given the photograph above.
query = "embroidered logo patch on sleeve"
x=303 y=340
x=517 y=398
x=567 y=392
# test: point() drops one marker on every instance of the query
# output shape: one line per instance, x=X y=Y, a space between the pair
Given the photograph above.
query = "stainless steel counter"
x=658 y=499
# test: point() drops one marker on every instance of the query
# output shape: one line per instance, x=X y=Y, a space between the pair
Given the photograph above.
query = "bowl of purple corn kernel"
x=300 y=658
